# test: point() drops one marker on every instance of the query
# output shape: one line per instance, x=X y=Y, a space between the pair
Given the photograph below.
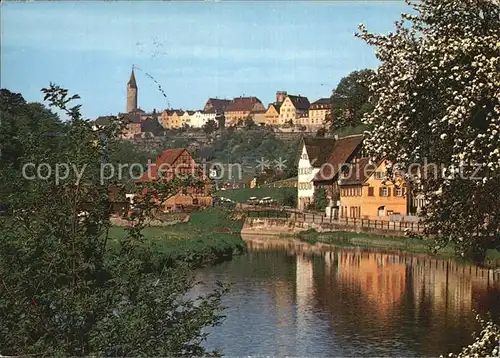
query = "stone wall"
x=279 y=226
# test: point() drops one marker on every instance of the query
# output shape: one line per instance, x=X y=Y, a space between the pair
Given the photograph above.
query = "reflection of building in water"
x=441 y=283
x=380 y=278
x=304 y=293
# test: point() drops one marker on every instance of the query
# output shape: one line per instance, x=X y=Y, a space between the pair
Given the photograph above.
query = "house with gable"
x=313 y=153
x=168 y=165
x=366 y=193
x=292 y=107
x=345 y=151
x=242 y=108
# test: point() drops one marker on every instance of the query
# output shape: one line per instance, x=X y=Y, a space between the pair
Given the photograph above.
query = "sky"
x=194 y=50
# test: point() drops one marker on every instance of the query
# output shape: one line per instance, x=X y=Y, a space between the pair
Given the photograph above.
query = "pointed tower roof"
x=132 y=82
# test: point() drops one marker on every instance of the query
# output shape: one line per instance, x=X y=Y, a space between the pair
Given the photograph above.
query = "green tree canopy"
x=351 y=99
x=68 y=287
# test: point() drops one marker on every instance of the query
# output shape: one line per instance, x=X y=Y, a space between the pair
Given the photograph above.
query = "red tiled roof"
x=168 y=156
x=318 y=149
x=342 y=150
x=219 y=105
x=242 y=104
x=359 y=172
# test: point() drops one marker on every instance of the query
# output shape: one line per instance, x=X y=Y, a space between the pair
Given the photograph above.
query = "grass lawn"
x=210 y=236
x=242 y=195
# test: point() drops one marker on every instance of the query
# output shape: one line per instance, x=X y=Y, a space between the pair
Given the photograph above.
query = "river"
x=290 y=298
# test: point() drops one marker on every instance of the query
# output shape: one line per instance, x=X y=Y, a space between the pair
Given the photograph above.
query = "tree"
x=321 y=132
x=351 y=100
x=210 y=126
x=21 y=121
x=69 y=288
x=320 y=201
x=438 y=89
x=249 y=123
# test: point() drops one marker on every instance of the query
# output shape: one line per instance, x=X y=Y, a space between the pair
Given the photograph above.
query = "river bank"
x=210 y=236
x=342 y=235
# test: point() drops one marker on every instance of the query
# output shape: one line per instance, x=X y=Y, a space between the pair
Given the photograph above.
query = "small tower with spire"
x=131 y=93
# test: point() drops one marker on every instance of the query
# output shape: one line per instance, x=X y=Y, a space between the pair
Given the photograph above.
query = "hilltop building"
x=132 y=93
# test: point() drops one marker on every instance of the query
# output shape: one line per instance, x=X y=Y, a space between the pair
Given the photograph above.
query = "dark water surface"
x=301 y=300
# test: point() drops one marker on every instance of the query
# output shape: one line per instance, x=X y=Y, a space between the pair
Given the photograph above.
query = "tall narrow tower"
x=131 y=93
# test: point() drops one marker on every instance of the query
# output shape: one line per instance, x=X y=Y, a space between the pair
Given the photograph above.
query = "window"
x=384 y=191
x=379 y=175
x=370 y=191
x=399 y=191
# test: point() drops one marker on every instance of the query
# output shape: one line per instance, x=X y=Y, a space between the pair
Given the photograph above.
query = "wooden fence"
x=400 y=226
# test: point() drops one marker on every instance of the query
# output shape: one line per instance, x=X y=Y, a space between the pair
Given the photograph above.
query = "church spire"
x=132 y=93
x=131 y=82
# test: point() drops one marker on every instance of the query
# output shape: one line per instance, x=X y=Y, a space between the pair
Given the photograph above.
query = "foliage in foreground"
x=486 y=343
x=438 y=101
x=64 y=290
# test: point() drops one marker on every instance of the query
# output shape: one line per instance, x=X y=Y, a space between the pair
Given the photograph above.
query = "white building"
x=208 y=115
x=186 y=118
x=197 y=120
x=314 y=152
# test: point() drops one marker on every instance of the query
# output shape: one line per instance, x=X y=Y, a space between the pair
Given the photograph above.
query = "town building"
x=313 y=153
x=186 y=118
x=319 y=111
x=259 y=117
x=291 y=107
x=216 y=105
x=366 y=193
x=131 y=121
x=172 y=163
x=345 y=150
x=240 y=109
x=210 y=115
x=272 y=114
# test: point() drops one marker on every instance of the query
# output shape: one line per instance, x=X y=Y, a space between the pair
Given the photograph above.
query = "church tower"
x=131 y=93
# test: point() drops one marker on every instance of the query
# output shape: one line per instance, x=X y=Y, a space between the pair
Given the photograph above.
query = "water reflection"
x=291 y=298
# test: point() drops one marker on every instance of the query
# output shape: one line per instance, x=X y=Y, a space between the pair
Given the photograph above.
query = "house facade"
x=291 y=107
x=197 y=119
x=272 y=114
x=170 y=119
x=346 y=150
x=186 y=118
x=208 y=115
x=313 y=153
x=365 y=193
x=259 y=117
x=174 y=162
x=319 y=112
x=241 y=108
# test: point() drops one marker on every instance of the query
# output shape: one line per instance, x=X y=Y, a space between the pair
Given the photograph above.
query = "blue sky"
x=195 y=50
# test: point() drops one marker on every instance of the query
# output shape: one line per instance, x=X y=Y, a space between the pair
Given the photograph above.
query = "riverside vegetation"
x=74 y=285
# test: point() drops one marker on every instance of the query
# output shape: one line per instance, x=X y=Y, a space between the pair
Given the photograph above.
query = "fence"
x=401 y=226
